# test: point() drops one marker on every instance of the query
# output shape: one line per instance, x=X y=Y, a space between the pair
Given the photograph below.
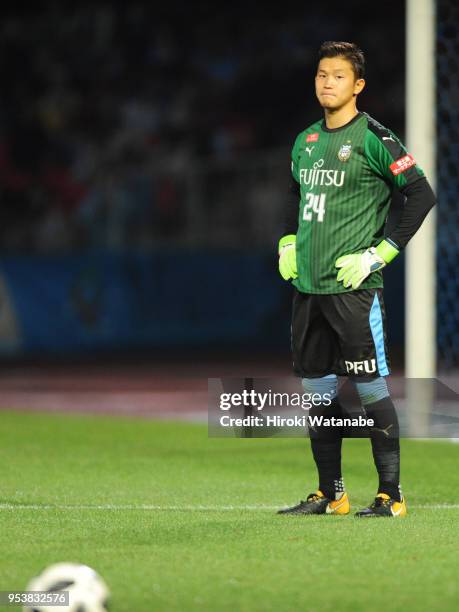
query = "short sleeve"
x=389 y=158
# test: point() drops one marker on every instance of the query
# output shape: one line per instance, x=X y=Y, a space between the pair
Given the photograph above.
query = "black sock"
x=326 y=450
x=385 y=443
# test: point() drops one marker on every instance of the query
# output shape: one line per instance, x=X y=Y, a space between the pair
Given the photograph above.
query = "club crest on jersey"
x=345 y=152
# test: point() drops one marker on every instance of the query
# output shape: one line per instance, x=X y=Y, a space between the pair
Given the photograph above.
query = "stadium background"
x=144 y=161
x=144 y=165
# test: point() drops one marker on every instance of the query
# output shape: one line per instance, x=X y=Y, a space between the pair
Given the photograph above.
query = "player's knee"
x=371 y=390
x=326 y=387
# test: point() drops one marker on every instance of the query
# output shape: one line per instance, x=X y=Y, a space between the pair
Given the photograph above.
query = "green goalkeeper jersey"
x=346 y=177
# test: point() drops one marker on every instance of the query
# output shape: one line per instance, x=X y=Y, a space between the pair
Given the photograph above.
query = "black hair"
x=348 y=51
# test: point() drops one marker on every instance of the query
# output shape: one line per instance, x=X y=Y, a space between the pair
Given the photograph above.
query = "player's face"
x=336 y=83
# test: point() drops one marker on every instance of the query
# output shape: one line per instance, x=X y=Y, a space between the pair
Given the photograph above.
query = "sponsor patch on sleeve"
x=312 y=137
x=402 y=164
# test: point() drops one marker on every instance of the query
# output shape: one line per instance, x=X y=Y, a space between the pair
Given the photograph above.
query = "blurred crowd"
x=107 y=111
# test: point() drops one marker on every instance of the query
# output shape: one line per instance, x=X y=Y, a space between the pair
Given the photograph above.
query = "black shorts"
x=343 y=334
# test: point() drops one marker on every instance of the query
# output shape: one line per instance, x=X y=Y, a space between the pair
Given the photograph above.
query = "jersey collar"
x=343 y=127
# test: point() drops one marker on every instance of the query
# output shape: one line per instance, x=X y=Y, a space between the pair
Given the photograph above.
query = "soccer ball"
x=87 y=590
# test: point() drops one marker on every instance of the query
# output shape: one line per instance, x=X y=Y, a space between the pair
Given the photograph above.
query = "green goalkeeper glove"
x=287 y=257
x=355 y=268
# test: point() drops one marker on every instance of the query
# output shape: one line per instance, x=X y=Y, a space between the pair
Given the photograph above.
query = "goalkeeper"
x=333 y=249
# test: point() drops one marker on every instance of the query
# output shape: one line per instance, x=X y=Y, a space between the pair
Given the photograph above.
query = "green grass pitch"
x=174 y=520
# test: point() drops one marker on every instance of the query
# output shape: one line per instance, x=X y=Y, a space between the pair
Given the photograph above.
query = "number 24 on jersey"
x=315 y=205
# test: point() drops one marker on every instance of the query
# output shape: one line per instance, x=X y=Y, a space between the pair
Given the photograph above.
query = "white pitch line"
x=130 y=507
x=184 y=507
x=434 y=506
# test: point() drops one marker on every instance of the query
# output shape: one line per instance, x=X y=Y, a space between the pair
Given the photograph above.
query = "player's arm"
x=290 y=220
x=287 y=243
x=420 y=199
x=389 y=159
